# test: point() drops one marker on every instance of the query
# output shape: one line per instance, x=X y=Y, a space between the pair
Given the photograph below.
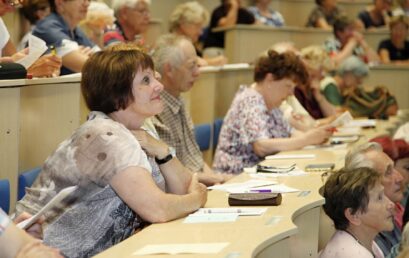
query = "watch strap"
x=164 y=160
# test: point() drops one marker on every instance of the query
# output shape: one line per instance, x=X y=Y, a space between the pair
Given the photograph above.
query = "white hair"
x=356 y=157
x=189 y=12
x=117 y=5
x=168 y=50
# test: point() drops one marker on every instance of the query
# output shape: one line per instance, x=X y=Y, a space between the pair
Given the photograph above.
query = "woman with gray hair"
x=344 y=91
x=189 y=19
x=355 y=201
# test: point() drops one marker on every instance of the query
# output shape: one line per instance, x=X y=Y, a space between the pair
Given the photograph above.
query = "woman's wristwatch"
x=171 y=155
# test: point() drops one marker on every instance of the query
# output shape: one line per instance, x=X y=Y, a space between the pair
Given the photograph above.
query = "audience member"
x=105 y=160
x=265 y=15
x=33 y=11
x=371 y=155
x=356 y=202
x=100 y=18
x=396 y=49
x=347 y=42
x=345 y=91
x=45 y=66
x=229 y=13
x=59 y=29
x=188 y=19
x=401 y=250
x=324 y=15
x=132 y=21
x=254 y=126
x=376 y=16
x=309 y=94
x=175 y=58
x=402 y=9
x=15 y=243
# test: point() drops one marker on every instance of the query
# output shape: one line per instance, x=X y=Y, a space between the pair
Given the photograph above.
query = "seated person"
x=376 y=16
x=348 y=41
x=46 y=66
x=132 y=21
x=324 y=15
x=100 y=18
x=401 y=250
x=371 y=155
x=15 y=243
x=188 y=19
x=179 y=72
x=229 y=13
x=265 y=15
x=396 y=49
x=60 y=29
x=309 y=94
x=109 y=165
x=33 y=11
x=254 y=126
x=355 y=201
x=402 y=9
x=345 y=91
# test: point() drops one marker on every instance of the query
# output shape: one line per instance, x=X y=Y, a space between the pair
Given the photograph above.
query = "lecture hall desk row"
x=292 y=229
x=38 y=114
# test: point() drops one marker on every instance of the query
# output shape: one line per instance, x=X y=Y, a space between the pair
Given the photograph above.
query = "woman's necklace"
x=359 y=242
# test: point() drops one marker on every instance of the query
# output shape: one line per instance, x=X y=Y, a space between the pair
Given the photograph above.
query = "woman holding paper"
x=355 y=201
x=254 y=126
x=122 y=187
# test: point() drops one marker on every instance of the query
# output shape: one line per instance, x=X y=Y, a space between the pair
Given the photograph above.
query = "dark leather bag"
x=9 y=71
x=255 y=199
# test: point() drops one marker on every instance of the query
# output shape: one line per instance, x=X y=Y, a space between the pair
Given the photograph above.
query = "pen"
x=53 y=50
x=260 y=191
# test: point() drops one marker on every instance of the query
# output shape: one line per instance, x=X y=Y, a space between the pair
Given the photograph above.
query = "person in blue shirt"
x=60 y=29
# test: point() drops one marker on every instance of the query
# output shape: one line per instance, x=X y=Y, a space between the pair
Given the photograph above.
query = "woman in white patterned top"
x=124 y=183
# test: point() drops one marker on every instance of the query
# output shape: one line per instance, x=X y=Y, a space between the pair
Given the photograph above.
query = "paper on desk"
x=211 y=218
x=344 y=139
x=347 y=131
x=242 y=187
x=362 y=123
x=36 y=47
x=326 y=147
x=342 y=119
x=291 y=156
x=183 y=248
x=238 y=211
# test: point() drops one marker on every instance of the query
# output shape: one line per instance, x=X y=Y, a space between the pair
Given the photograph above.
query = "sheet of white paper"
x=347 y=131
x=55 y=200
x=211 y=218
x=183 y=248
x=36 y=47
x=238 y=211
x=241 y=187
x=344 y=139
x=362 y=123
x=342 y=119
x=291 y=156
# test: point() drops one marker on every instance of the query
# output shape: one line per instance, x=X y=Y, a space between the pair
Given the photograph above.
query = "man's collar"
x=174 y=103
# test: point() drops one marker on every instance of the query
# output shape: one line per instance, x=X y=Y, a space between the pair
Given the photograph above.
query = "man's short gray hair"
x=117 y=5
x=168 y=50
x=356 y=157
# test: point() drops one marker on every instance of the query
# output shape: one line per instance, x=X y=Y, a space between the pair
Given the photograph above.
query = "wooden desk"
x=36 y=115
x=239 y=49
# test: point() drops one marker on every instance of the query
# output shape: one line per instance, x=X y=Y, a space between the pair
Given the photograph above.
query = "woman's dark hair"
x=285 y=65
x=30 y=7
x=319 y=2
x=348 y=189
x=107 y=78
x=341 y=23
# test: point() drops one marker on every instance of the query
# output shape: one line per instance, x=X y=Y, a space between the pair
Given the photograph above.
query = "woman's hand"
x=35 y=230
x=46 y=66
x=318 y=135
x=152 y=146
x=37 y=249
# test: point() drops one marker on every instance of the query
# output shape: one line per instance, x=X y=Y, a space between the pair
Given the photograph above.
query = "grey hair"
x=168 y=50
x=190 y=12
x=356 y=157
x=117 y=5
x=353 y=65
